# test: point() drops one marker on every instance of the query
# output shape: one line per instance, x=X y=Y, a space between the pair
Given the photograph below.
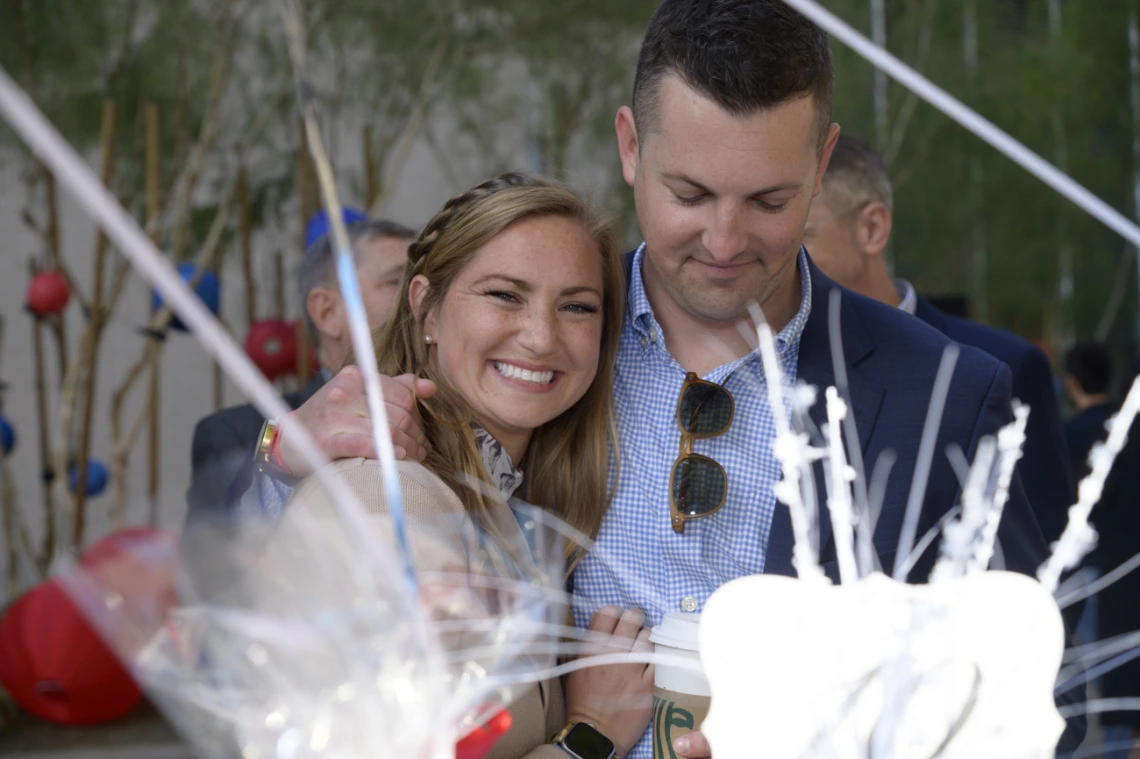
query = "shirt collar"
x=909 y=297
x=503 y=473
x=641 y=313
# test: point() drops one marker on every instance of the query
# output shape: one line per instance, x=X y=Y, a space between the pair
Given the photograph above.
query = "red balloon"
x=48 y=293
x=56 y=666
x=132 y=541
x=272 y=345
x=136 y=566
x=479 y=742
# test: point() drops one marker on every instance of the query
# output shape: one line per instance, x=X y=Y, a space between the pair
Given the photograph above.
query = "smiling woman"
x=511 y=302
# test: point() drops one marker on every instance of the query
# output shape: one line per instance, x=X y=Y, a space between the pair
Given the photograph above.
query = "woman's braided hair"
x=566 y=467
x=458 y=204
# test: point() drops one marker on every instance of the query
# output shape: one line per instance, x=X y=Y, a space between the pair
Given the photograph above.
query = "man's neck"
x=1085 y=401
x=701 y=345
x=881 y=287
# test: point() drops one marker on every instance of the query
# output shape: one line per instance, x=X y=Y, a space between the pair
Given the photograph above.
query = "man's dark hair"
x=744 y=55
x=1091 y=366
x=316 y=269
x=856 y=173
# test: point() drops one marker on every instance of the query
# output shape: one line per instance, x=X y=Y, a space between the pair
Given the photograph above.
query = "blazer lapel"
x=816 y=368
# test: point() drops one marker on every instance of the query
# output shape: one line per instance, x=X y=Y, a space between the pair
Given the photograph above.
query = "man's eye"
x=689 y=201
x=771 y=207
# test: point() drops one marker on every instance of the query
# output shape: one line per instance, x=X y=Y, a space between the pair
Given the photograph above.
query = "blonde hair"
x=565 y=469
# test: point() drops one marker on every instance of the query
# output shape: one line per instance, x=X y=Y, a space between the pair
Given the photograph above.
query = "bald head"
x=850 y=221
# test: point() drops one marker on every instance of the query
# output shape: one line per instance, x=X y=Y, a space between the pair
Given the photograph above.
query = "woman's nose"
x=538 y=332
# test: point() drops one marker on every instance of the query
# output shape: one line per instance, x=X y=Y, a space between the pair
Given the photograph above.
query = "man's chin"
x=714 y=301
x=725 y=311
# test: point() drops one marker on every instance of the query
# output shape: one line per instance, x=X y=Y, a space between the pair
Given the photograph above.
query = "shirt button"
x=653 y=333
x=644 y=343
x=689 y=604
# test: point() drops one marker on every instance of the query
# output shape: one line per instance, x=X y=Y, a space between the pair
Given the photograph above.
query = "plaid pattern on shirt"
x=637 y=559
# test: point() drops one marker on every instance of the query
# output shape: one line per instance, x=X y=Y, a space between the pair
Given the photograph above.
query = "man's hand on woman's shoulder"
x=337 y=418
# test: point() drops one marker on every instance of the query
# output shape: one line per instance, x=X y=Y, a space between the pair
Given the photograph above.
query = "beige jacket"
x=441 y=537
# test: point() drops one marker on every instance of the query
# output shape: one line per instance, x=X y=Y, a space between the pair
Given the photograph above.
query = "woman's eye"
x=581 y=308
x=502 y=295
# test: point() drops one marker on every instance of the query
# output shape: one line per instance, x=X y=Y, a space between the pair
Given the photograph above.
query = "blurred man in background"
x=1087 y=383
x=847 y=233
x=223 y=440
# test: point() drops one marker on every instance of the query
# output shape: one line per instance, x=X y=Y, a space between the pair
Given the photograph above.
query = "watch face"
x=588 y=743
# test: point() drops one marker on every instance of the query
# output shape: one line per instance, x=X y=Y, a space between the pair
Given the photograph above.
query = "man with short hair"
x=223 y=440
x=725 y=147
x=1087 y=382
x=847 y=234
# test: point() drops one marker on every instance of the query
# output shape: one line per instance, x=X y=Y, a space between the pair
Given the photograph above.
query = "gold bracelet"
x=265 y=444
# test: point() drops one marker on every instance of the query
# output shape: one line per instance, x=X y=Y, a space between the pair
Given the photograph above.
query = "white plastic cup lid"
x=678 y=629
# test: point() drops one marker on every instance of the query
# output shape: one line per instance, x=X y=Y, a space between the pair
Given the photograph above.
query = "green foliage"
x=493 y=72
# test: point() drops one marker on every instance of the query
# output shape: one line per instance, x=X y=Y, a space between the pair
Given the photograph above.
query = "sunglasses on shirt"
x=698 y=485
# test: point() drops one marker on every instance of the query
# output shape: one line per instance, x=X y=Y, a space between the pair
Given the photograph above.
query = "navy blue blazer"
x=1045 y=467
x=891 y=361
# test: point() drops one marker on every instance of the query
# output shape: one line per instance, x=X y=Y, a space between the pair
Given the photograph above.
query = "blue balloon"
x=209 y=291
x=318 y=226
x=96 y=477
x=7 y=436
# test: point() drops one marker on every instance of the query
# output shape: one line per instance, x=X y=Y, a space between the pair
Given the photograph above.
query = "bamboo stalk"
x=279 y=284
x=413 y=125
x=55 y=257
x=47 y=469
x=305 y=204
x=7 y=503
x=369 y=169
x=153 y=177
x=246 y=246
x=208 y=131
x=308 y=207
x=15 y=526
x=304 y=368
x=94 y=332
x=12 y=571
x=152 y=350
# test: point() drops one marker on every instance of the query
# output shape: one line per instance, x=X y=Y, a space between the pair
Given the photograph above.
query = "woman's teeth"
x=526 y=375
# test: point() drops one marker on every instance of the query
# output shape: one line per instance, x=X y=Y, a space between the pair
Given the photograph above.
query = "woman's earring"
x=428 y=339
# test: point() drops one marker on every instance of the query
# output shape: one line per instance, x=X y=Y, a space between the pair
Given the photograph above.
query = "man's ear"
x=629 y=149
x=825 y=157
x=418 y=290
x=873 y=228
x=326 y=311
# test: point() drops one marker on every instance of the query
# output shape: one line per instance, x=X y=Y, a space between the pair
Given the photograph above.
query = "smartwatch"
x=582 y=740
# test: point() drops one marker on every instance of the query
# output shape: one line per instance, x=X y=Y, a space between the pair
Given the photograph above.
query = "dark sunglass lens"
x=706 y=409
x=699 y=486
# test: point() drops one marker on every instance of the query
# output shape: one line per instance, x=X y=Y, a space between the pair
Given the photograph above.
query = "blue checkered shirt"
x=637 y=559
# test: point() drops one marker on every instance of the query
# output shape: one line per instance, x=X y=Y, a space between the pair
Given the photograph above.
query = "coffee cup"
x=681 y=693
